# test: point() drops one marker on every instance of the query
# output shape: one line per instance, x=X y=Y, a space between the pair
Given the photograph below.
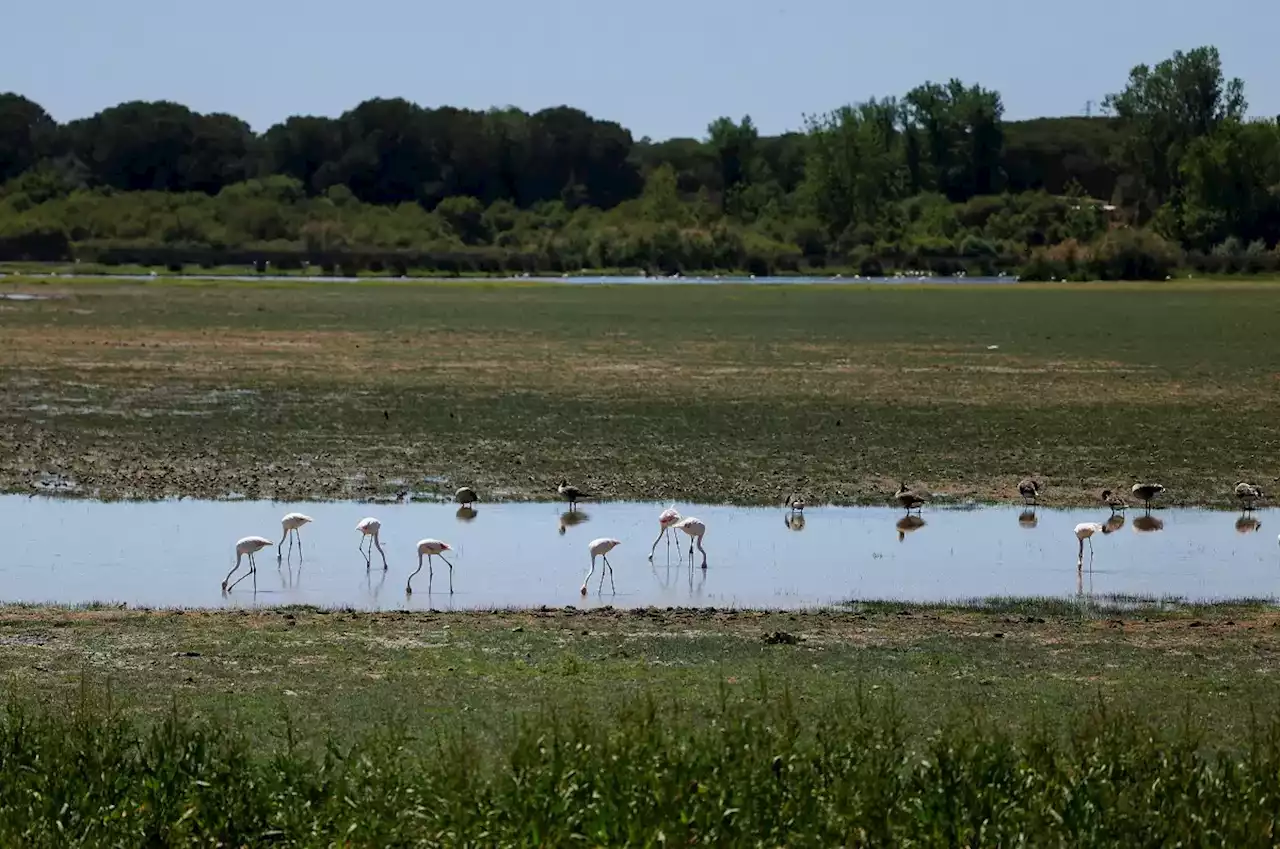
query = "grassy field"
x=1030 y=723
x=342 y=673
x=714 y=393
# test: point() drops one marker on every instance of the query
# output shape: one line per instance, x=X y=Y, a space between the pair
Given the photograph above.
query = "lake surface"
x=176 y=553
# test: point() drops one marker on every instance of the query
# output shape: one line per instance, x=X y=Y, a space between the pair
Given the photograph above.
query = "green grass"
x=709 y=393
x=754 y=773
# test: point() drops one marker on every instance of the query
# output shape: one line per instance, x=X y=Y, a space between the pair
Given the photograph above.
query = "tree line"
x=1173 y=174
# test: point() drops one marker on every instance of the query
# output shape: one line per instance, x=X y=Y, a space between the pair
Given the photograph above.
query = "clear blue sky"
x=662 y=68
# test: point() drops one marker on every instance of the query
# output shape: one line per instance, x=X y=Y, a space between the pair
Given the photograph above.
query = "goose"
x=909 y=499
x=1146 y=492
x=1248 y=494
x=571 y=493
x=1029 y=489
x=1115 y=502
x=465 y=496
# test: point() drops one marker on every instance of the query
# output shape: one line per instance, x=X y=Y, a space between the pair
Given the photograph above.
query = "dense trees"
x=935 y=178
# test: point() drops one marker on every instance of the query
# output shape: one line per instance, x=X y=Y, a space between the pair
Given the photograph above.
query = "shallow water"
x=176 y=553
x=566 y=278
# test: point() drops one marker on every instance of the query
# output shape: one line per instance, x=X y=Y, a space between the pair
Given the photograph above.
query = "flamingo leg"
x=603 y=569
x=408 y=585
x=442 y=557
x=253 y=570
x=380 y=551
x=657 y=540
x=612 y=585
x=363 y=554
x=703 y=550
x=280 y=546
x=298 y=534
x=590 y=572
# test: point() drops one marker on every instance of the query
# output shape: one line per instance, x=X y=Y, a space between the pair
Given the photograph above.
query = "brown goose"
x=908 y=499
x=1249 y=494
x=571 y=493
x=1147 y=491
x=1115 y=502
x=1029 y=489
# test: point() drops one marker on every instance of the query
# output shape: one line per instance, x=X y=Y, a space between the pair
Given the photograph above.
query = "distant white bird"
x=601 y=548
x=571 y=493
x=431 y=548
x=666 y=519
x=465 y=496
x=1147 y=491
x=290 y=524
x=1249 y=494
x=1085 y=531
x=696 y=529
x=369 y=528
x=246 y=546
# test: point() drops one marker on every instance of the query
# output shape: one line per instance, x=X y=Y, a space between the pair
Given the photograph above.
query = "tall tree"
x=734 y=146
x=855 y=163
x=1166 y=108
x=26 y=135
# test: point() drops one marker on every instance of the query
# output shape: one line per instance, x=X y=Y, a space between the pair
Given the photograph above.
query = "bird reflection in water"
x=466 y=514
x=794 y=521
x=1248 y=524
x=1147 y=524
x=1114 y=523
x=907 y=524
x=374 y=591
x=569 y=518
x=1027 y=518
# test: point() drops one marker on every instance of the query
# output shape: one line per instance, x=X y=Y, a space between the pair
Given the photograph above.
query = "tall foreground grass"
x=751 y=774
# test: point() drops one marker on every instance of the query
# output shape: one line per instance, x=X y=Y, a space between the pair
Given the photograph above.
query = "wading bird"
x=601 y=548
x=571 y=493
x=246 y=547
x=796 y=503
x=369 y=528
x=909 y=499
x=1085 y=531
x=431 y=548
x=1029 y=489
x=696 y=529
x=1147 y=491
x=666 y=519
x=1115 y=502
x=290 y=524
x=466 y=496
x=1249 y=494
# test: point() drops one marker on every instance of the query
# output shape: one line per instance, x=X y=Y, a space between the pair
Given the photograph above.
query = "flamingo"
x=1085 y=531
x=601 y=548
x=1147 y=491
x=571 y=493
x=431 y=548
x=246 y=547
x=1029 y=489
x=696 y=529
x=465 y=496
x=666 y=519
x=368 y=528
x=909 y=499
x=1248 y=494
x=290 y=524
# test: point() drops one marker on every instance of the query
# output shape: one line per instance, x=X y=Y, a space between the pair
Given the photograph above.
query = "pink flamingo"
x=668 y=518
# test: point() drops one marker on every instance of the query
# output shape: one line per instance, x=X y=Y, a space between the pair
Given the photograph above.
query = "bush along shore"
x=934 y=181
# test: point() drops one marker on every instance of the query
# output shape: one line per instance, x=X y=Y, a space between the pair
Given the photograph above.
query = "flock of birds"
x=669 y=523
